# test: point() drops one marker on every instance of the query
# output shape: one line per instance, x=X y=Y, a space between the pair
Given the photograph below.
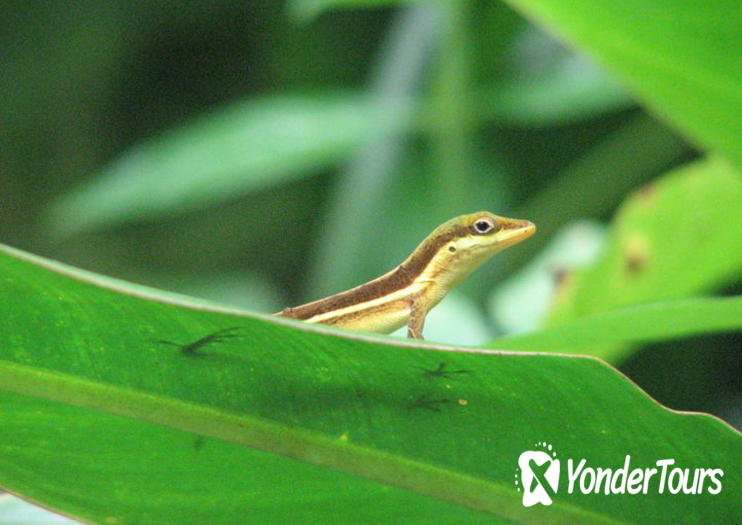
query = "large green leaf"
x=106 y=423
x=679 y=56
x=678 y=237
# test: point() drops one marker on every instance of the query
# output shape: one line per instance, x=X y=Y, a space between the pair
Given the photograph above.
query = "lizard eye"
x=483 y=226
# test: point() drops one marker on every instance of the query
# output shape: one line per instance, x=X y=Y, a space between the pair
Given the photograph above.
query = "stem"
x=453 y=124
x=362 y=189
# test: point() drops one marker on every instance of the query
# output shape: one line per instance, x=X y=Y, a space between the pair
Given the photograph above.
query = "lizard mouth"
x=514 y=231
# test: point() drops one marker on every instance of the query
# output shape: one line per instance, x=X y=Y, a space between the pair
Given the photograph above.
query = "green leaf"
x=242 y=148
x=678 y=56
x=105 y=422
x=605 y=334
x=123 y=470
x=677 y=237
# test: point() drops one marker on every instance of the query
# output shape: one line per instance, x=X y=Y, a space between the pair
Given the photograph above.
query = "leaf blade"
x=352 y=395
x=241 y=148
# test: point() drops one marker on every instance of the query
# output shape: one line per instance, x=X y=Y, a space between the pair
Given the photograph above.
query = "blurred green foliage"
x=284 y=152
x=264 y=153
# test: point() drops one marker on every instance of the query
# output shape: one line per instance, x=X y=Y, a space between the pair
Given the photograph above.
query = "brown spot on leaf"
x=564 y=281
x=560 y=275
x=647 y=193
x=635 y=255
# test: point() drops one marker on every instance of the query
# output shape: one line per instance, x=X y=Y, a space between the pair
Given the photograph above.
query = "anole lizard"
x=406 y=294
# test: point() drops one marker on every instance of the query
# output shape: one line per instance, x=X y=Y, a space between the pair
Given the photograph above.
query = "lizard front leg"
x=417 y=319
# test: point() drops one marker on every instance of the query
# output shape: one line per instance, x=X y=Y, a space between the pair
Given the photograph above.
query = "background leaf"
x=657 y=50
x=242 y=148
x=665 y=243
x=605 y=333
